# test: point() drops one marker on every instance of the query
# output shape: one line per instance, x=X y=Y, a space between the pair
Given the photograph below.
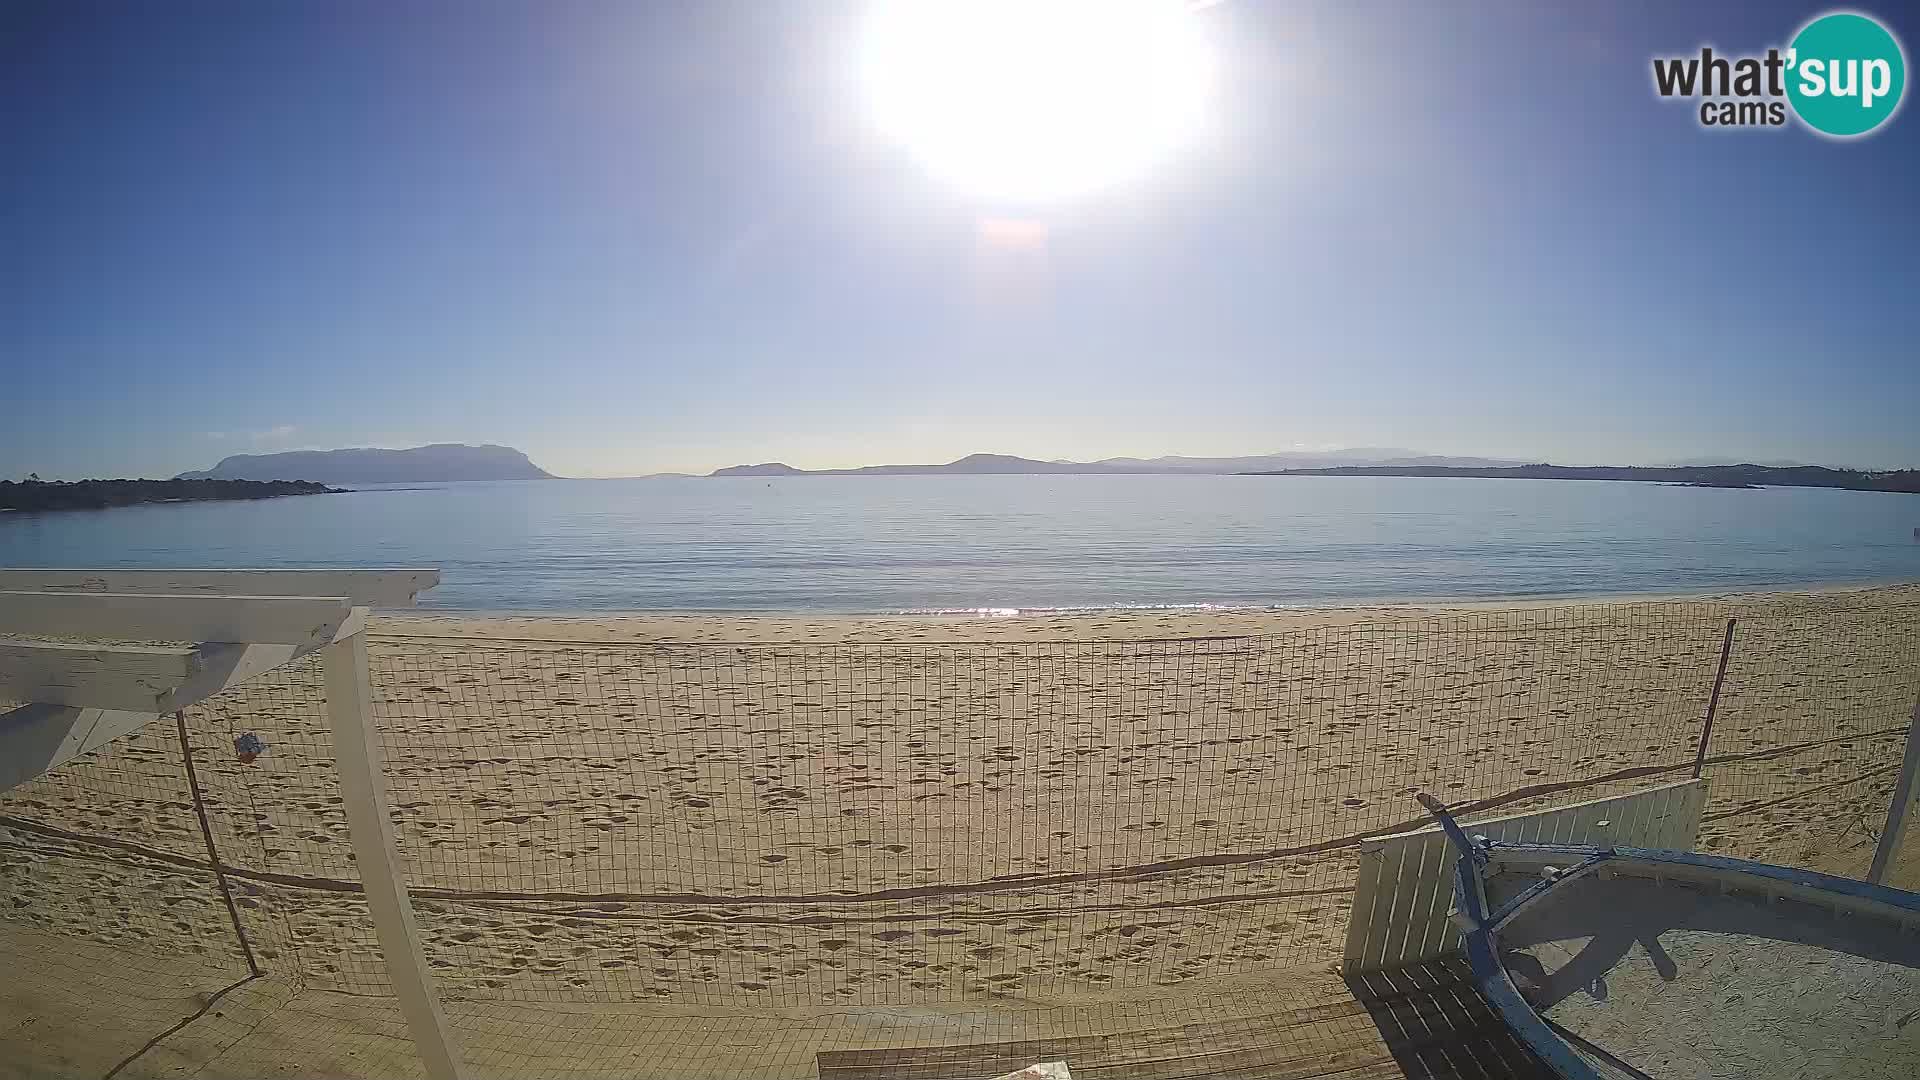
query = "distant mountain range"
x=1727 y=476
x=1696 y=463
x=439 y=463
x=448 y=462
x=988 y=464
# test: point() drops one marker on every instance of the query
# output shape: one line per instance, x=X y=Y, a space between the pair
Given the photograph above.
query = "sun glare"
x=1036 y=99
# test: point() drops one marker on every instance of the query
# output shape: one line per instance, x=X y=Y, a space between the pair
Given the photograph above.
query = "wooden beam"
x=274 y=620
x=131 y=677
x=93 y=707
x=143 y=678
x=365 y=588
x=363 y=786
x=35 y=738
x=227 y=664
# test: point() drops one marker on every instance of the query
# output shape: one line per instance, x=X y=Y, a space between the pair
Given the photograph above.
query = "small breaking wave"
x=1088 y=609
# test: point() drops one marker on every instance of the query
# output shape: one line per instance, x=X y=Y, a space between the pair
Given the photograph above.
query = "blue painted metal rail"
x=1481 y=924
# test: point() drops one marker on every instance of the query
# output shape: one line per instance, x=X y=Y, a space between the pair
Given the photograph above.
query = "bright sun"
x=1036 y=99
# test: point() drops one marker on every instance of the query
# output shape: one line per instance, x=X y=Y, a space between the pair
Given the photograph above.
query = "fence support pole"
x=213 y=853
x=1896 y=826
x=1713 y=702
x=363 y=787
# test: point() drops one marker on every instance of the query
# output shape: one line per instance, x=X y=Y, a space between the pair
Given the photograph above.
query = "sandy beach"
x=736 y=816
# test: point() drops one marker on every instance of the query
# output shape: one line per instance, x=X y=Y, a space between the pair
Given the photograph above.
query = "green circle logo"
x=1845 y=74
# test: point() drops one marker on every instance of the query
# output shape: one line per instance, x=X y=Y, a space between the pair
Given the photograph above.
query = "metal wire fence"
x=876 y=824
x=134 y=927
x=773 y=826
x=1808 y=738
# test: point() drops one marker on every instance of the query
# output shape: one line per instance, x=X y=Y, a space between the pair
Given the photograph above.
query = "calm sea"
x=905 y=543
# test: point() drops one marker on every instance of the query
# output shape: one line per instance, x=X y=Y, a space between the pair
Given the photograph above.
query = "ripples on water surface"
x=972 y=542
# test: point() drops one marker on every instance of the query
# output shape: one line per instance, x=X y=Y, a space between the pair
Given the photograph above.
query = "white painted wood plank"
x=1900 y=805
x=1366 y=890
x=277 y=620
x=35 y=738
x=1438 y=936
x=1640 y=821
x=1406 y=920
x=130 y=677
x=1409 y=895
x=90 y=711
x=141 y=678
x=363 y=787
x=1389 y=886
x=223 y=665
x=1655 y=814
x=228 y=664
x=365 y=588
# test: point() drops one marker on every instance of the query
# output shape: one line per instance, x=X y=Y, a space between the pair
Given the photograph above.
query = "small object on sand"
x=248 y=747
x=1046 y=1070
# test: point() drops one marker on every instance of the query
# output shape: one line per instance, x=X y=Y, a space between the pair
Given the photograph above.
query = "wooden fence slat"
x=1406 y=921
x=1366 y=891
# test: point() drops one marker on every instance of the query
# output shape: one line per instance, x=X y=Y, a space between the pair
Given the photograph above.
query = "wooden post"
x=213 y=852
x=1903 y=792
x=363 y=786
x=1713 y=702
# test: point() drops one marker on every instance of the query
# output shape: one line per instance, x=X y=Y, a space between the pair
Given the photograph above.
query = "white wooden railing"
x=73 y=696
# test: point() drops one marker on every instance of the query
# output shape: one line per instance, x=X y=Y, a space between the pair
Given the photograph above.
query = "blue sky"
x=634 y=237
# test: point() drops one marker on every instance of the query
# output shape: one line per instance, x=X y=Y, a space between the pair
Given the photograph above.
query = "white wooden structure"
x=1906 y=789
x=1405 y=887
x=221 y=627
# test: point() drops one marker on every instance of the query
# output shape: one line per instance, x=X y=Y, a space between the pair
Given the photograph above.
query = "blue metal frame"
x=1539 y=889
x=1483 y=954
x=1482 y=934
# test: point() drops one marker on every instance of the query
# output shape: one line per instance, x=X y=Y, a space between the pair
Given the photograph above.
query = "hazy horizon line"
x=1318 y=450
